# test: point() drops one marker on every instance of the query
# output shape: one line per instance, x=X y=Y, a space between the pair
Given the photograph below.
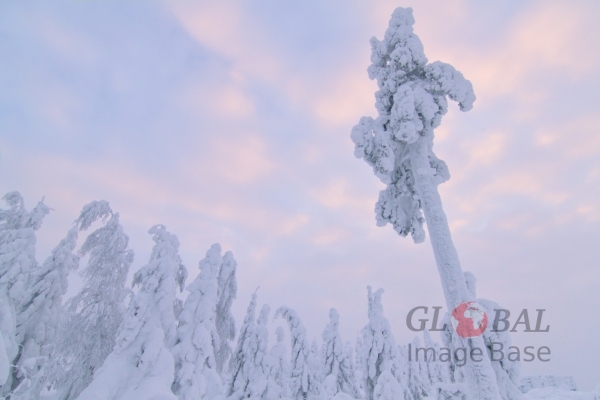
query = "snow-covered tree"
x=437 y=371
x=338 y=369
x=418 y=375
x=379 y=350
x=402 y=369
x=508 y=372
x=251 y=362
x=239 y=364
x=359 y=374
x=225 y=322
x=388 y=387
x=263 y=362
x=301 y=383
x=315 y=372
x=17 y=261
x=398 y=144
x=196 y=373
x=349 y=373
x=141 y=365
x=39 y=315
x=92 y=317
x=279 y=374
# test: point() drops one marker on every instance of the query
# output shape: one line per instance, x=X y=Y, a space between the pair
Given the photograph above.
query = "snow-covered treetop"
x=41 y=302
x=410 y=102
x=157 y=280
x=209 y=268
x=17 y=242
x=300 y=350
x=411 y=92
x=16 y=217
x=93 y=211
x=11 y=218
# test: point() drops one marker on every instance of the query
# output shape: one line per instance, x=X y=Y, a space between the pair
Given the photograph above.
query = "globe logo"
x=469 y=319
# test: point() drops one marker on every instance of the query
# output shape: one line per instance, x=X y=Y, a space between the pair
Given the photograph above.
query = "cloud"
x=227 y=29
x=229 y=122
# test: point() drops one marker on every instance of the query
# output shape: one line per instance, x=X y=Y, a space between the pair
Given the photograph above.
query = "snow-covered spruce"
x=411 y=101
x=251 y=363
x=301 y=380
x=92 y=317
x=379 y=352
x=419 y=383
x=437 y=371
x=280 y=370
x=225 y=322
x=338 y=368
x=196 y=374
x=39 y=316
x=17 y=261
x=141 y=365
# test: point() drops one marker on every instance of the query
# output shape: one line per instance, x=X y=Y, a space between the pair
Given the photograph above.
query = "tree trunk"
x=479 y=376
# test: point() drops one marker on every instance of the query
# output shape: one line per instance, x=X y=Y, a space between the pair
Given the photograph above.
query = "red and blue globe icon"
x=469 y=319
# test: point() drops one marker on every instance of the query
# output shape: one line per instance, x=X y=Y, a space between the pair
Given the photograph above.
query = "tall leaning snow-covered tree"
x=225 y=322
x=398 y=144
x=92 y=317
x=196 y=373
x=39 y=316
x=17 y=261
x=141 y=365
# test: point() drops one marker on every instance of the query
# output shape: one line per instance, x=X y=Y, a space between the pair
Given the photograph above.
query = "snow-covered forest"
x=110 y=341
x=162 y=336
